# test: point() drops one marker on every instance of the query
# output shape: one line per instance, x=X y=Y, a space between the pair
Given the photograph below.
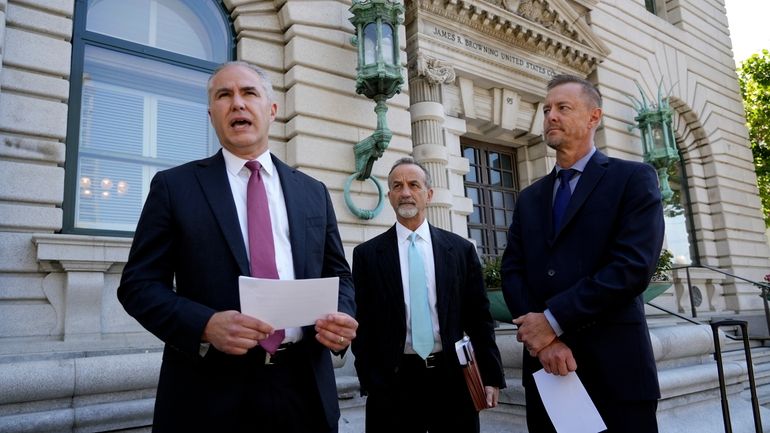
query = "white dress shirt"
x=238 y=175
x=425 y=246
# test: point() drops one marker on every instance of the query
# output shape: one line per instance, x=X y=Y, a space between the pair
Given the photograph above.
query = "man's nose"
x=237 y=102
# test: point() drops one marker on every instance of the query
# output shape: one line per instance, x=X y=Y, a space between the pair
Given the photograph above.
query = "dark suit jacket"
x=462 y=306
x=592 y=272
x=189 y=234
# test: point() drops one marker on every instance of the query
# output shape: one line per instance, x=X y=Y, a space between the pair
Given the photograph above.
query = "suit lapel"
x=590 y=177
x=546 y=203
x=390 y=271
x=295 y=212
x=212 y=176
x=443 y=257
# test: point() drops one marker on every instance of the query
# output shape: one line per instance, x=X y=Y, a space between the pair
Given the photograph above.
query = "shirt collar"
x=423 y=232
x=235 y=164
x=581 y=163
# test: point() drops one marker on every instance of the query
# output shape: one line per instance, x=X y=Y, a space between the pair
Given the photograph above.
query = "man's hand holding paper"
x=295 y=303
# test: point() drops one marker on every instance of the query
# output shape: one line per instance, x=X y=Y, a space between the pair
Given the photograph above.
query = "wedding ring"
x=342 y=340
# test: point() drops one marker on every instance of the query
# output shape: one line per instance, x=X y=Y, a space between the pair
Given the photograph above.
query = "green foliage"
x=663 y=268
x=754 y=79
x=490 y=268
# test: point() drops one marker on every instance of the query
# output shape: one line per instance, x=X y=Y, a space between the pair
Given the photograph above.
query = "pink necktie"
x=261 y=247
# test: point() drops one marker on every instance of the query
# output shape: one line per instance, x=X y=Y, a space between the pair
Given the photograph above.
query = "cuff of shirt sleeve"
x=554 y=324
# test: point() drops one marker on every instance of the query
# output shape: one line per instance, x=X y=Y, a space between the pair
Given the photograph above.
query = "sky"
x=749 y=29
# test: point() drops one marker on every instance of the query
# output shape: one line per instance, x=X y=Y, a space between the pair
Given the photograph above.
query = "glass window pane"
x=499 y=218
x=494 y=177
x=470 y=154
x=191 y=27
x=510 y=200
x=477 y=236
x=475 y=217
x=497 y=199
x=472 y=175
x=177 y=122
x=473 y=194
x=370 y=44
x=109 y=195
x=494 y=159
x=678 y=239
x=501 y=239
x=505 y=162
x=387 y=43
x=111 y=119
x=137 y=116
x=507 y=179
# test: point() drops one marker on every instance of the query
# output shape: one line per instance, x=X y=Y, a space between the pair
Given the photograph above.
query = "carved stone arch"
x=694 y=148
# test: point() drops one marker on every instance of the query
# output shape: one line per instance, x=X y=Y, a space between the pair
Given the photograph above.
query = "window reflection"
x=180 y=26
x=679 y=239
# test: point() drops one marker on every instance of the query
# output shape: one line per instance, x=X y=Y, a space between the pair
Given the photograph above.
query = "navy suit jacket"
x=462 y=307
x=591 y=273
x=188 y=253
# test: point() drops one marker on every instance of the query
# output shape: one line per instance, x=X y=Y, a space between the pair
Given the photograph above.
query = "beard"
x=407 y=210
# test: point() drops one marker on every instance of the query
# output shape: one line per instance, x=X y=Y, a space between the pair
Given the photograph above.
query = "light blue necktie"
x=422 y=326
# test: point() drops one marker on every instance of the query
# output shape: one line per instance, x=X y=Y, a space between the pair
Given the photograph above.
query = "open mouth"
x=240 y=123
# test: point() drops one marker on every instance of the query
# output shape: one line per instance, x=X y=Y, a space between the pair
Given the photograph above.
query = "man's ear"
x=595 y=118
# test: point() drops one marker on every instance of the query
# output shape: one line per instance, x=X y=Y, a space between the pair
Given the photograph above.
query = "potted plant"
x=490 y=269
x=661 y=280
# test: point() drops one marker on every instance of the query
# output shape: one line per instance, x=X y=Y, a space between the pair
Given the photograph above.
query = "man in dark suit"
x=574 y=278
x=193 y=241
x=418 y=289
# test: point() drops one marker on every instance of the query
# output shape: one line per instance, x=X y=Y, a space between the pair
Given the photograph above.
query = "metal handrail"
x=763 y=287
x=750 y=370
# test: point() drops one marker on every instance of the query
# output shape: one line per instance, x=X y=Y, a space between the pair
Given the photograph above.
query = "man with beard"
x=581 y=249
x=418 y=290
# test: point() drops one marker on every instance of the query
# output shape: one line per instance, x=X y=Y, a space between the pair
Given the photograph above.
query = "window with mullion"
x=491 y=185
x=139 y=104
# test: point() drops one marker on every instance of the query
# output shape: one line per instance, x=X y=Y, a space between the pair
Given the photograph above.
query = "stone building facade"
x=71 y=359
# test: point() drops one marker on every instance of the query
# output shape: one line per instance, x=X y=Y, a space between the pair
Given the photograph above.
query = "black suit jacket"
x=462 y=307
x=189 y=234
x=592 y=272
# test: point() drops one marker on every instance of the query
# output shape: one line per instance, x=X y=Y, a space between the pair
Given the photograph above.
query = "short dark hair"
x=411 y=161
x=589 y=89
x=261 y=73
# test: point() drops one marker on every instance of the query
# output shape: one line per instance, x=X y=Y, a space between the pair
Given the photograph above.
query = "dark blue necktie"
x=563 y=194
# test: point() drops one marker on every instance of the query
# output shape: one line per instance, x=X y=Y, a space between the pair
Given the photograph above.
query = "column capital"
x=435 y=71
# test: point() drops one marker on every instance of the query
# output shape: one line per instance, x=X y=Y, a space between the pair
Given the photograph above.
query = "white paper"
x=568 y=404
x=288 y=303
x=459 y=348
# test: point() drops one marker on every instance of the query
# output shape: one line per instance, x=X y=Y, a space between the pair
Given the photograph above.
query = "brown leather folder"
x=473 y=377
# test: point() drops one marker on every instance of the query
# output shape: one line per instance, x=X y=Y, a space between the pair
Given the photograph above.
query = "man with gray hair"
x=419 y=289
x=204 y=224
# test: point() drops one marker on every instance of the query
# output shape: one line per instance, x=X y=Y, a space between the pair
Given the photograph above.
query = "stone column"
x=426 y=76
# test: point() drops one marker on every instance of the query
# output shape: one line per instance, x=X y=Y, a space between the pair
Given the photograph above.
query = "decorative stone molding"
x=548 y=29
x=84 y=260
x=435 y=71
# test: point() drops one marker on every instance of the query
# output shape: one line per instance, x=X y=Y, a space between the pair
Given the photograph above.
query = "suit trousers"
x=433 y=400
x=619 y=416
x=240 y=394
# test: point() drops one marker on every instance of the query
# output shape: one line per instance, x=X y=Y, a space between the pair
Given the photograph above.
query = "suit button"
x=551 y=272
